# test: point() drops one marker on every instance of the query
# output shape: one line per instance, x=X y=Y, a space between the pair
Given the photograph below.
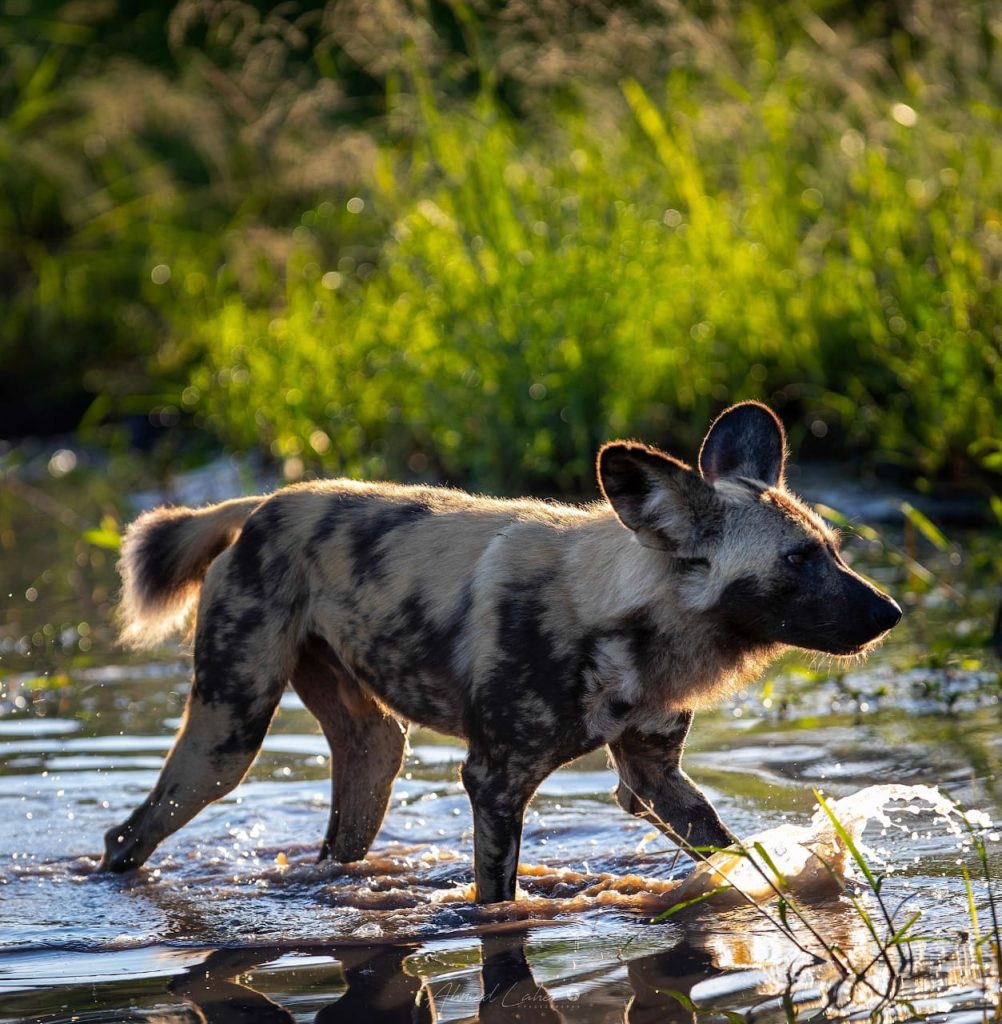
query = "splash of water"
x=404 y=890
x=809 y=860
x=815 y=859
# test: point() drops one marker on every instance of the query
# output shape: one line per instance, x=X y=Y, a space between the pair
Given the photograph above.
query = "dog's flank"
x=535 y=631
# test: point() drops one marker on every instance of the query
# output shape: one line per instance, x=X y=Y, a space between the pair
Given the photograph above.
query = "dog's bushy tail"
x=165 y=556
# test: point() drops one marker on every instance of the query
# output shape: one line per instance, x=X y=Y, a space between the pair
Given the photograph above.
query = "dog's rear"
x=165 y=556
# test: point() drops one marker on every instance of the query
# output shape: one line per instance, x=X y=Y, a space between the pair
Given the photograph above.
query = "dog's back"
x=409 y=587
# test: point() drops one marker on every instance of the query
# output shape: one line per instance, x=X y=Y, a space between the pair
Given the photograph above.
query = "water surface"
x=233 y=919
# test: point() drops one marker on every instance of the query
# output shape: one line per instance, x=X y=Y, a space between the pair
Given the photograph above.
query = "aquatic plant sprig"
x=972 y=912
x=835 y=955
x=703 y=855
x=975 y=823
x=898 y=938
x=875 y=883
x=891 y=929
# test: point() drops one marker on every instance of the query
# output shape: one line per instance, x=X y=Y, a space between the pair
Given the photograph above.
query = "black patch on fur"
x=436 y=647
x=747 y=613
x=369 y=531
x=536 y=663
x=222 y=679
x=246 y=735
x=412 y=657
x=276 y=571
x=246 y=563
x=222 y=676
x=650 y=648
x=619 y=707
x=260 y=566
x=293 y=608
x=687 y=565
x=641 y=633
x=222 y=637
x=339 y=510
x=156 y=559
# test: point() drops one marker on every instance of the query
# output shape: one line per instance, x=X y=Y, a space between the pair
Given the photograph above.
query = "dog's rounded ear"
x=745 y=440
x=656 y=496
x=629 y=473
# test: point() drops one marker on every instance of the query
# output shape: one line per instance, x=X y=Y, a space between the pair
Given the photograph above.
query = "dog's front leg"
x=653 y=786
x=499 y=788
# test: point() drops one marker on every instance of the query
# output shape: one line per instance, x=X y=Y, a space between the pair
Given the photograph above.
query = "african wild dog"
x=535 y=631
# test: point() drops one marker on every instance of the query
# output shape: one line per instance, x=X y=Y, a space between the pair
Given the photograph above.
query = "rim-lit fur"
x=165 y=556
x=535 y=631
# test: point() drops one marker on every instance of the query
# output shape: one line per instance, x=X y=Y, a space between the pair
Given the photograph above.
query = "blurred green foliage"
x=472 y=240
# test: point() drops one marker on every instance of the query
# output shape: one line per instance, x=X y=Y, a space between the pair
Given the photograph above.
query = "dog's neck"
x=685 y=660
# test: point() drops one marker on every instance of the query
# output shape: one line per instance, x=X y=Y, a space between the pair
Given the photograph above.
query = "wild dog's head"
x=765 y=566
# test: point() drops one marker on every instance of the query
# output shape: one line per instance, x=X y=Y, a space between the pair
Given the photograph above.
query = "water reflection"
x=380 y=987
x=392 y=984
x=510 y=992
x=654 y=977
x=220 y=998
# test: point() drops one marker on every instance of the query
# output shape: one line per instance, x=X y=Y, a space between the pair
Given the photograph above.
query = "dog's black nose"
x=884 y=614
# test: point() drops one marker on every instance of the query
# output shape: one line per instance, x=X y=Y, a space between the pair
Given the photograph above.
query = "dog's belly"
x=423 y=698
x=416 y=685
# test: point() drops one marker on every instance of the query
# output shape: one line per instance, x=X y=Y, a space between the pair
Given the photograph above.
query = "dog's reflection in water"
x=381 y=990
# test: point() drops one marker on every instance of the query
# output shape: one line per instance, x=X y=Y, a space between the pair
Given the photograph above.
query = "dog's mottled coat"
x=535 y=631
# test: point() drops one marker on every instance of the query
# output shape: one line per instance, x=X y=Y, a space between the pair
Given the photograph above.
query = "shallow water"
x=233 y=920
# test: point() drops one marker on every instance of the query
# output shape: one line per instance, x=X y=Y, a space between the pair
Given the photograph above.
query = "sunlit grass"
x=785 y=204
x=793 y=236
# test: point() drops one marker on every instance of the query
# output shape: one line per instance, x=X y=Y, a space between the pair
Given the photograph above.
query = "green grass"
x=782 y=207
x=830 y=245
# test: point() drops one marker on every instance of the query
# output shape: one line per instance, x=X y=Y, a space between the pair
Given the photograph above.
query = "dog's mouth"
x=858 y=648
x=853 y=651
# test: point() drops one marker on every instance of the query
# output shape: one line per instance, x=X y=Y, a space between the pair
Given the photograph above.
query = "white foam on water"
x=815 y=859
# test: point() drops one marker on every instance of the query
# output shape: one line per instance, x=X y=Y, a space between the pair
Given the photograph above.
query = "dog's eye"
x=800 y=556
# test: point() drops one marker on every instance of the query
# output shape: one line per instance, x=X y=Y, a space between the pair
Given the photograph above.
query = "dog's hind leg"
x=241 y=668
x=367 y=749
